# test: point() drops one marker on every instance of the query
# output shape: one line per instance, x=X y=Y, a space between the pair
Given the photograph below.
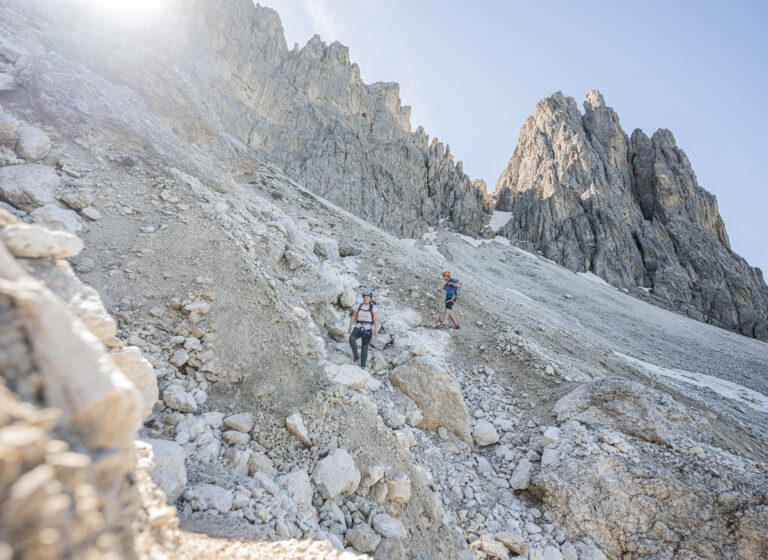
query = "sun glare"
x=126 y=11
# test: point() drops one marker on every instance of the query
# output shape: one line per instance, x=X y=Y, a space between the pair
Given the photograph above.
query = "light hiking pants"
x=366 y=336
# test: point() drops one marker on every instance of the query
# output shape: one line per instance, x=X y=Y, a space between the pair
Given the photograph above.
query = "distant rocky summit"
x=628 y=209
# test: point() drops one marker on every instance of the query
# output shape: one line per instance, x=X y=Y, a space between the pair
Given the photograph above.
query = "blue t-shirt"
x=450 y=291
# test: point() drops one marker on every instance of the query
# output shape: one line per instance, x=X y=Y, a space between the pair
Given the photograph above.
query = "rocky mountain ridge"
x=628 y=209
x=245 y=429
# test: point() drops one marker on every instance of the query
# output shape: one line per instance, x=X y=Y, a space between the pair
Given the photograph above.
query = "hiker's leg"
x=452 y=316
x=353 y=341
x=364 y=351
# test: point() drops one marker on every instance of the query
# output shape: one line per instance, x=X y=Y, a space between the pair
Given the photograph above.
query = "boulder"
x=389 y=527
x=259 y=462
x=484 y=433
x=136 y=368
x=493 y=548
x=295 y=425
x=336 y=474
x=436 y=393
x=175 y=397
x=348 y=375
x=33 y=144
x=28 y=186
x=514 y=542
x=7 y=82
x=298 y=486
x=363 y=538
x=210 y=496
x=398 y=488
x=35 y=241
x=169 y=473
x=58 y=218
x=521 y=477
x=634 y=409
x=242 y=422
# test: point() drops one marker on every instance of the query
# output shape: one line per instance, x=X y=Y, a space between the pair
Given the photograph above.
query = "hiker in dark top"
x=451 y=291
x=366 y=325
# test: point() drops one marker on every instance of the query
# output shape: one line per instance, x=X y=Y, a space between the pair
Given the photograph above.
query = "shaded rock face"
x=306 y=110
x=628 y=209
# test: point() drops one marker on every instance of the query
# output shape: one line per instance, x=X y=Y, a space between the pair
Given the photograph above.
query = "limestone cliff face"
x=306 y=110
x=628 y=209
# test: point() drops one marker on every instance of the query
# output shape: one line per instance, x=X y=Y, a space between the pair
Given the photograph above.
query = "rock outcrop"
x=629 y=210
x=306 y=110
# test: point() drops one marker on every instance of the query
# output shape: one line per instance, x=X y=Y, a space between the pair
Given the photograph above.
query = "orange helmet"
x=446 y=273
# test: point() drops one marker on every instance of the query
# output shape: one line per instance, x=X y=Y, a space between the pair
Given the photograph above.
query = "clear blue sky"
x=473 y=72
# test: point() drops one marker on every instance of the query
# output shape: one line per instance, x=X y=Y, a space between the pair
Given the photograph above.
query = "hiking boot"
x=357 y=359
x=441 y=326
x=455 y=327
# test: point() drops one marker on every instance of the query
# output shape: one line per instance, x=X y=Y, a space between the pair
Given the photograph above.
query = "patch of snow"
x=407 y=242
x=594 y=278
x=499 y=220
x=502 y=240
x=727 y=389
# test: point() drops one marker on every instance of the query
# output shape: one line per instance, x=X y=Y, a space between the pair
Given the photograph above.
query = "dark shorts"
x=449 y=303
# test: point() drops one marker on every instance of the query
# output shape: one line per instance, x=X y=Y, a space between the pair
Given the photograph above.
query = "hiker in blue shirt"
x=451 y=291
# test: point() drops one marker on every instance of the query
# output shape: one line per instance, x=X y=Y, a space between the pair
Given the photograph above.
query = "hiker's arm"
x=376 y=323
x=457 y=284
x=352 y=321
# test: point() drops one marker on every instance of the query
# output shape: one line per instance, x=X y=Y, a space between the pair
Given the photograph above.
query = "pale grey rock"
x=363 y=538
x=326 y=248
x=237 y=459
x=295 y=425
x=7 y=82
x=484 y=433
x=436 y=393
x=28 y=186
x=390 y=549
x=514 y=542
x=398 y=488
x=138 y=369
x=235 y=437
x=200 y=307
x=175 y=397
x=210 y=496
x=682 y=506
x=348 y=375
x=629 y=210
x=388 y=526
x=521 y=477
x=242 y=422
x=259 y=462
x=299 y=488
x=169 y=473
x=634 y=409
x=336 y=474
x=56 y=217
x=551 y=436
x=493 y=548
x=75 y=198
x=180 y=357
x=35 y=241
x=33 y=144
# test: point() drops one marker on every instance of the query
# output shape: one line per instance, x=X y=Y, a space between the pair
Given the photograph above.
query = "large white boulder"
x=32 y=144
x=436 y=393
x=35 y=241
x=348 y=375
x=242 y=422
x=295 y=425
x=297 y=485
x=521 y=477
x=336 y=474
x=169 y=473
x=28 y=186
